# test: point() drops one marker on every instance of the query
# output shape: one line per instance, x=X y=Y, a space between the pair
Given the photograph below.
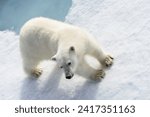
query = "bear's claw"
x=37 y=72
x=108 y=61
x=100 y=74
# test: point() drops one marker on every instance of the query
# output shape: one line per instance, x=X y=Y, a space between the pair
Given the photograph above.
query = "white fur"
x=42 y=38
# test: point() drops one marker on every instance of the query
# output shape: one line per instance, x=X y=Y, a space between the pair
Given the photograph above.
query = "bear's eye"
x=61 y=67
x=69 y=63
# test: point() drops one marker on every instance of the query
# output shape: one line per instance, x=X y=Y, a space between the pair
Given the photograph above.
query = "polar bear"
x=46 y=39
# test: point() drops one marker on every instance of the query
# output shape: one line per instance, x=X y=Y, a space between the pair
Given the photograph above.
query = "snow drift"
x=121 y=27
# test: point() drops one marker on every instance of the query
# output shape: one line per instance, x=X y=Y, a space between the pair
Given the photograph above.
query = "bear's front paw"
x=37 y=72
x=108 y=61
x=100 y=74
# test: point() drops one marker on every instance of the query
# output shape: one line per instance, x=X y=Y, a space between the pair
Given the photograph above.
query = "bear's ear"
x=72 y=49
x=53 y=58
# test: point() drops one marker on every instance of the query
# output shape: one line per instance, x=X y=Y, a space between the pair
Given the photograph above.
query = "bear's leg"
x=31 y=68
x=88 y=71
x=105 y=59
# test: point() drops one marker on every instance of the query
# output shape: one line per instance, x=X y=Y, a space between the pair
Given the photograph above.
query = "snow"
x=122 y=28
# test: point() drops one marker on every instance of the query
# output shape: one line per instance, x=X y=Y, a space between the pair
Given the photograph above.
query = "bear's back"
x=43 y=23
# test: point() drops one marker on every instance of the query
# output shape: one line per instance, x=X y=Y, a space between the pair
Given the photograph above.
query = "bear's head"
x=67 y=60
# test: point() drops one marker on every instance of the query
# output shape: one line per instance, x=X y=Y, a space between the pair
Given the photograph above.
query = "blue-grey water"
x=14 y=13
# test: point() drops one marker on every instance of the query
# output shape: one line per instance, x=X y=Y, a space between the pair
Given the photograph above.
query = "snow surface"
x=122 y=27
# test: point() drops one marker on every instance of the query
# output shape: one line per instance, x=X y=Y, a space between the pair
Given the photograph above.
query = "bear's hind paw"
x=37 y=72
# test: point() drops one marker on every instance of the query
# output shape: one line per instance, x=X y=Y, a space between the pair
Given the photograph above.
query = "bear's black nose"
x=68 y=77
